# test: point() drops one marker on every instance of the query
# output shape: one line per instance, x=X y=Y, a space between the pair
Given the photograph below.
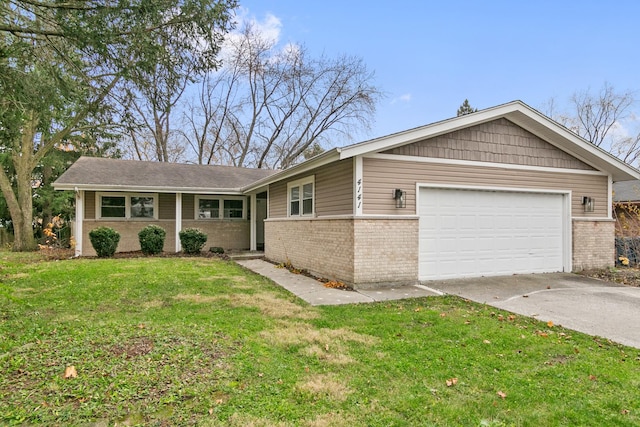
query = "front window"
x=113 y=207
x=208 y=208
x=301 y=197
x=142 y=207
x=220 y=207
x=233 y=208
x=126 y=206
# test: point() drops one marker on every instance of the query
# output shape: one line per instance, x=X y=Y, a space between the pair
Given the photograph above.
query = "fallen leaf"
x=486 y=342
x=451 y=382
x=502 y=394
x=326 y=347
x=260 y=374
x=210 y=411
x=141 y=326
x=624 y=411
x=417 y=309
x=512 y=317
x=525 y=296
x=70 y=372
x=500 y=318
x=219 y=401
x=550 y=324
x=443 y=314
x=593 y=377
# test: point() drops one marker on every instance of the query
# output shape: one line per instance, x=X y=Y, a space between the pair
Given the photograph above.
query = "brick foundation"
x=593 y=244
x=364 y=252
x=228 y=234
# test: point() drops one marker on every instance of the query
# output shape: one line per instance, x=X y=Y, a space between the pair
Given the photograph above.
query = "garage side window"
x=127 y=206
x=301 y=197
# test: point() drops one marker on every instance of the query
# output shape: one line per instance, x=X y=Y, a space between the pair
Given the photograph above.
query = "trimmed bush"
x=152 y=239
x=216 y=249
x=104 y=241
x=192 y=240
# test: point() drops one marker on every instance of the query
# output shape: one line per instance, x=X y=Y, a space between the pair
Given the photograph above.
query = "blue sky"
x=429 y=56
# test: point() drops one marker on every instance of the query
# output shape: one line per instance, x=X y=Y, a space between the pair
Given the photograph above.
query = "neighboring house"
x=501 y=191
x=626 y=204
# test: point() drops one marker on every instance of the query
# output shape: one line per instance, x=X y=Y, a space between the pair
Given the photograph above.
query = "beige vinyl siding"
x=278 y=200
x=333 y=191
x=167 y=206
x=188 y=209
x=89 y=205
x=381 y=176
x=498 y=141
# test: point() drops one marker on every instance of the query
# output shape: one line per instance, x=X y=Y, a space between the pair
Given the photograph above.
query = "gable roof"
x=102 y=174
x=516 y=112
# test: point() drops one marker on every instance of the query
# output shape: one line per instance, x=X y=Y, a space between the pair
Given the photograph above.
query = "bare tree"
x=266 y=107
x=596 y=116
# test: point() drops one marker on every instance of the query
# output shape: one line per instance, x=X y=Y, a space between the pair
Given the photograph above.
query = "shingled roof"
x=93 y=173
x=626 y=191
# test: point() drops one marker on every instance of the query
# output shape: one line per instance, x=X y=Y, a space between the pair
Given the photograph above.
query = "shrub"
x=192 y=240
x=216 y=250
x=104 y=241
x=152 y=239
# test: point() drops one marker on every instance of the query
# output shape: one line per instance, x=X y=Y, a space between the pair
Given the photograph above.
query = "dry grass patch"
x=156 y=303
x=297 y=333
x=243 y=420
x=331 y=420
x=17 y=276
x=326 y=385
x=198 y=299
x=334 y=354
x=326 y=344
x=268 y=304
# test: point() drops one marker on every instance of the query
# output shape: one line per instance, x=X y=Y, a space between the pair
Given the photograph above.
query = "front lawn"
x=199 y=341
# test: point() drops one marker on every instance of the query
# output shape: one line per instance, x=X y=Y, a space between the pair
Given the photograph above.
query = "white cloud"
x=270 y=27
x=402 y=98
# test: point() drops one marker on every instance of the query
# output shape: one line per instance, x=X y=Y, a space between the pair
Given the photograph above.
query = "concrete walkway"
x=315 y=293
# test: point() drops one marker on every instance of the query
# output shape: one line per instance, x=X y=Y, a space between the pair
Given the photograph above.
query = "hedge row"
x=105 y=240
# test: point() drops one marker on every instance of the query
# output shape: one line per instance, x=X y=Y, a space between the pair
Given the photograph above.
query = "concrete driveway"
x=580 y=303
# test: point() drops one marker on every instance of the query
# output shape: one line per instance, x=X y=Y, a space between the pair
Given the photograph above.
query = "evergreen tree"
x=465 y=109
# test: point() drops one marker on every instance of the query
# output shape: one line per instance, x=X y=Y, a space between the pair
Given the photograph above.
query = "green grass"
x=195 y=341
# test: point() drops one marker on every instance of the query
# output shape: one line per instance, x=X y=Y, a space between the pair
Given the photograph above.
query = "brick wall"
x=367 y=252
x=229 y=234
x=324 y=247
x=386 y=251
x=128 y=234
x=593 y=244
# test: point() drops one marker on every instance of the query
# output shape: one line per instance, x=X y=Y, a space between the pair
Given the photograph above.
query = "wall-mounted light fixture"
x=400 y=196
x=589 y=203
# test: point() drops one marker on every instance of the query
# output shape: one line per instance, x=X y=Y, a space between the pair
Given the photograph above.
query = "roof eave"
x=322 y=159
x=147 y=189
x=517 y=112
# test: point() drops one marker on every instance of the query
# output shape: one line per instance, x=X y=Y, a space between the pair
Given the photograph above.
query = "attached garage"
x=465 y=232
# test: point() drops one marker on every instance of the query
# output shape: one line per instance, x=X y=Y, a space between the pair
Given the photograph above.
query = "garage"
x=473 y=233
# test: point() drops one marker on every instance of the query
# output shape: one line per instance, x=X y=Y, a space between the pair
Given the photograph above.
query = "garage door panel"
x=468 y=233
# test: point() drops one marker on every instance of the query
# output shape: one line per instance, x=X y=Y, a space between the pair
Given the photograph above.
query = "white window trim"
x=220 y=199
x=301 y=183
x=127 y=206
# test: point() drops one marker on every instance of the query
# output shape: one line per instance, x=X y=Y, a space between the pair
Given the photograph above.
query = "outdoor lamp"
x=588 y=203
x=400 y=197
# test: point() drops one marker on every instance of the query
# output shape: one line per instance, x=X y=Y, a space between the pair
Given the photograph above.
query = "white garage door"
x=470 y=233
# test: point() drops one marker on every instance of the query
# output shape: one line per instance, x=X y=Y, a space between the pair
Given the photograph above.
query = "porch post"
x=254 y=207
x=178 y=220
x=79 y=219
